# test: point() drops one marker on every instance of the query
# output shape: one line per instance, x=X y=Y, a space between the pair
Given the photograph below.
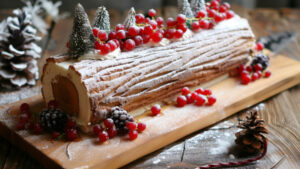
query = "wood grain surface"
x=215 y=143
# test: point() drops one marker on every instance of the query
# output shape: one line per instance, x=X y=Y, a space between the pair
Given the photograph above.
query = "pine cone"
x=18 y=52
x=120 y=118
x=53 y=119
x=251 y=138
x=262 y=59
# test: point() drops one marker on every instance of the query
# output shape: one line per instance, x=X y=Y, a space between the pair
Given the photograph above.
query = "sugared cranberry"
x=160 y=21
x=259 y=46
x=155 y=109
x=267 y=74
x=185 y=91
x=183 y=27
x=156 y=37
x=207 y=92
x=131 y=126
x=147 y=20
x=112 y=132
x=152 y=12
x=181 y=19
x=218 y=18
x=148 y=30
x=214 y=4
x=201 y=14
x=52 y=104
x=211 y=100
x=195 y=26
x=55 y=135
x=108 y=123
x=178 y=34
x=200 y=100
x=153 y=23
x=223 y=9
x=227 y=5
x=141 y=127
x=138 y=40
x=24 y=108
x=71 y=123
x=189 y=98
x=112 y=45
x=121 y=34
x=133 y=135
x=103 y=136
x=97 y=129
x=102 y=35
x=120 y=27
x=129 y=44
x=229 y=14
x=181 y=101
x=171 y=22
x=140 y=18
x=134 y=30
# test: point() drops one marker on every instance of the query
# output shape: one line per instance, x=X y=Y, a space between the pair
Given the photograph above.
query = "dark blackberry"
x=53 y=119
x=120 y=118
x=262 y=59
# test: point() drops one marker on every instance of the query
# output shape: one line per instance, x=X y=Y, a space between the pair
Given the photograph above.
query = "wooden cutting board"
x=173 y=124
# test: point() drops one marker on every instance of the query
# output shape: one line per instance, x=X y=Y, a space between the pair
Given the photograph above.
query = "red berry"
x=246 y=79
x=131 y=126
x=20 y=125
x=55 y=135
x=259 y=74
x=72 y=134
x=141 y=127
x=108 y=123
x=227 y=5
x=223 y=9
x=200 y=91
x=52 y=104
x=138 y=40
x=148 y=30
x=147 y=20
x=229 y=14
x=185 y=91
x=218 y=18
x=161 y=31
x=112 y=132
x=121 y=34
x=207 y=92
x=211 y=25
x=241 y=68
x=146 y=38
x=254 y=76
x=211 y=100
x=201 y=14
x=133 y=135
x=244 y=73
x=140 y=18
x=259 y=46
x=97 y=45
x=103 y=136
x=105 y=49
x=153 y=23
x=183 y=27
x=71 y=124
x=212 y=13
x=134 y=30
x=189 y=98
x=120 y=27
x=97 y=129
x=152 y=12
x=112 y=45
x=155 y=109
x=24 y=117
x=95 y=32
x=181 y=101
x=203 y=24
x=178 y=34
x=195 y=26
x=181 y=19
x=169 y=34
x=194 y=95
x=116 y=42
x=102 y=35
x=129 y=44
x=160 y=21
x=249 y=69
x=156 y=37
x=112 y=35
x=214 y=3
x=37 y=129
x=200 y=100
x=258 y=67
x=24 y=107
x=171 y=22
x=267 y=74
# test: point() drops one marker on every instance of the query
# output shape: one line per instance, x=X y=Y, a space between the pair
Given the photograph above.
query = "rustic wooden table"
x=216 y=143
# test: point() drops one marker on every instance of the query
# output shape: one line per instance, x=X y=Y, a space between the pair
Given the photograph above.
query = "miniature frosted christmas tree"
x=18 y=52
x=82 y=38
x=198 y=5
x=185 y=8
x=101 y=20
x=130 y=19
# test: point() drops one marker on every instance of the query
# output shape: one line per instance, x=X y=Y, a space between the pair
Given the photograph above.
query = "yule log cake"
x=100 y=71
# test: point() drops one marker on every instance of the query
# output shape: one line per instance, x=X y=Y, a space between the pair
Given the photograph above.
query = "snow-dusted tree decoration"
x=198 y=5
x=82 y=38
x=101 y=20
x=185 y=8
x=18 y=52
x=130 y=19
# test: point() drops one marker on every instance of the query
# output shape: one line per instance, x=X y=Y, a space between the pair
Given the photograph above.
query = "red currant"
x=203 y=24
x=95 y=32
x=200 y=91
x=183 y=27
x=140 y=18
x=189 y=98
x=121 y=34
x=218 y=18
x=258 y=67
x=138 y=40
x=108 y=123
x=249 y=69
x=171 y=22
x=194 y=96
x=52 y=104
x=211 y=25
x=102 y=35
x=212 y=13
x=227 y=5
x=103 y=136
x=148 y=30
x=147 y=20
x=105 y=49
x=185 y=91
x=241 y=68
x=170 y=33
x=159 y=21
x=229 y=14
x=246 y=79
x=207 y=92
x=211 y=100
x=97 y=129
x=223 y=9
x=156 y=37
x=214 y=3
x=244 y=73
x=55 y=135
x=141 y=127
x=112 y=45
x=254 y=76
x=112 y=35
x=195 y=26
x=72 y=134
x=120 y=27
x=131 y=126
x=259 y=46
x=181 y=19
x=178 y=34
x=134 y=30
x=133 y=135
x=153 y=23
x=201 y=14
x=259 y=74
x=267 y=74
x=129 y=44
x=181 y=101
x=98 y=45
x=112 y=132
x=200 y=100
x=152 y=12
x=24 y=108
x=155 y=109
x=146 y=38
x=71 y=124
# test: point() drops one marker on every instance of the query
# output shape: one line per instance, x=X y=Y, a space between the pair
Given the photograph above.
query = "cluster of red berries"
x=26 y=121
x=199 y=97
x=176 y=28
x=252 y=73
x=107 y=130
x=105 y=43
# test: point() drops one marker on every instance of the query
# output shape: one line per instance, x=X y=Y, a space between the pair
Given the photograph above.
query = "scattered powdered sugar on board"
x=156 y=161
x=222 y=146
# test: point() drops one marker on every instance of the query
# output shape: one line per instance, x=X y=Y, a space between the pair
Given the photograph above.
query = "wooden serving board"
x=172 y=124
